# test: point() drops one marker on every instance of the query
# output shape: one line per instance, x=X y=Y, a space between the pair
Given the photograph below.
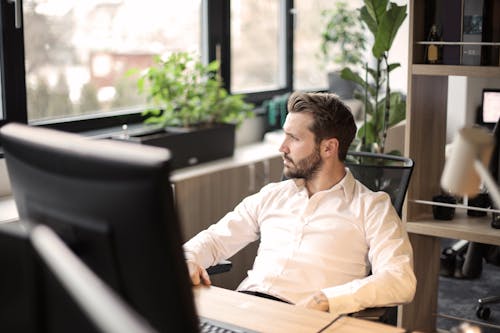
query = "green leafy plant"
x=383 y=108
x=343 y=39
x=184 y=92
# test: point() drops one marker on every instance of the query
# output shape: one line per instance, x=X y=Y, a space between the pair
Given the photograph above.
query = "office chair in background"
x=378 y=172
x=490 y=253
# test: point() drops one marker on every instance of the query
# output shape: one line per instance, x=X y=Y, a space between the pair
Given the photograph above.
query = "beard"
x=304 y=168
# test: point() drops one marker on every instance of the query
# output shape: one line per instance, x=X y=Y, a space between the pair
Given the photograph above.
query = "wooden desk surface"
x=270 y=316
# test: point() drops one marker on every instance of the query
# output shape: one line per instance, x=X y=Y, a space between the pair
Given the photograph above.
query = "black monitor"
x=112 y=204
x=489 y=113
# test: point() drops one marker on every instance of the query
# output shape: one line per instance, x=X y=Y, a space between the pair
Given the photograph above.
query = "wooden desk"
x=425 y=237
x=270 y=316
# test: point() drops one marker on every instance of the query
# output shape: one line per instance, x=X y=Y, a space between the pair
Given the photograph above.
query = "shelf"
x=477 y=229
x=447 y=70
x=458 y=43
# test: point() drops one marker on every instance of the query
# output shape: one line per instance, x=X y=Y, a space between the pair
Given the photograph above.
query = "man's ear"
x=330 y=147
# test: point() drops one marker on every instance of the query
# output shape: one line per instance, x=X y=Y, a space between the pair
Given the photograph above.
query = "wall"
x=399 y=53
x=4 y=179
x=464 y=96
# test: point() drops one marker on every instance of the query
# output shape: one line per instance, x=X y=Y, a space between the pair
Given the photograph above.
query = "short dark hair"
x=332 y=118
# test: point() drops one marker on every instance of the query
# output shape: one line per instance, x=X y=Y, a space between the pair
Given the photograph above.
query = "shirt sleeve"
x=392 y=280
x=232 y=233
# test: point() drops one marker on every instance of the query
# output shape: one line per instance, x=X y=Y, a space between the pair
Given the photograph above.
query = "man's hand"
x=198 y=274
x=317 y=301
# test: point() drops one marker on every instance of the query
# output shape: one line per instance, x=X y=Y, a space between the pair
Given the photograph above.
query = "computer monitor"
x=112 y=204
x=490 y=110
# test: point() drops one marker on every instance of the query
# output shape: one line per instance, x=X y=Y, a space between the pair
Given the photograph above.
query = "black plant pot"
x=441 y=212
x=481 y=200
x=190 y=146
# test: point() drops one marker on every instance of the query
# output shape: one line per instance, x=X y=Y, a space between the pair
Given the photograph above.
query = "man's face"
x=301 y=154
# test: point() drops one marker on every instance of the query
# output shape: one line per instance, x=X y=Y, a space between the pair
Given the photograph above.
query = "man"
x=321 y=232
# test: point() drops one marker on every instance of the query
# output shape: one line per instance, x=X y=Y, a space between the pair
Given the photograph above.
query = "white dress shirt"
x=329 y=242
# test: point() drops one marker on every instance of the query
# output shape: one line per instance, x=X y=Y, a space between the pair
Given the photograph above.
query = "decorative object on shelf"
x=441 y=212
x=495 y=220
x=465 y=167
x=472 y=31
x=189 y=101
x=433 y=51
x=468 y=30
x=343 y=43
x=481 y=200
x=383 y=108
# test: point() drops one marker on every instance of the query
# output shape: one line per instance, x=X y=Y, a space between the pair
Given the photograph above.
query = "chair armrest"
x=375 y=314
x=221 y=267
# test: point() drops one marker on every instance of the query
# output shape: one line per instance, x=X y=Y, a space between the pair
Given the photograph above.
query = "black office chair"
x=378 y=172
x=490 y=253
x=391 y=174
x=475 y=254
x=388 y=173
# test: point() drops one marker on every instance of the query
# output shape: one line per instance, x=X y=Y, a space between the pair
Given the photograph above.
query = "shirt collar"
x=346 y=184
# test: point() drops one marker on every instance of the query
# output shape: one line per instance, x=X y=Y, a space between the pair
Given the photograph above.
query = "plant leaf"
x=388 y=27
x=348 y=74
x=393 y=66
x=376 y=10
x=368 y=19
x=371 y=133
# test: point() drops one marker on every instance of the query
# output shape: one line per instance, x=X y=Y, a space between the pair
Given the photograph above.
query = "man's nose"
x=283 y=148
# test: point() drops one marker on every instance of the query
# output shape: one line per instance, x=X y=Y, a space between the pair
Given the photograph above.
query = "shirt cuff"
x=341 y=299
x=190 y=256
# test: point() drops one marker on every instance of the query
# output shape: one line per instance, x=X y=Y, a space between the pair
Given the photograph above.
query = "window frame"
x=13 y=85
x=215 y=45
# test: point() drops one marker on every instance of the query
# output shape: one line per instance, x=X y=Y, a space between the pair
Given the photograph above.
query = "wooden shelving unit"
x=461 y=227
x=425 y=143
x=446 y=70
x=426 y=111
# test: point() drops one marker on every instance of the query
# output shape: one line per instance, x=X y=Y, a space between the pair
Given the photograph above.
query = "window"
x=66 y=65
x=77 y=53
x=310 y=70
x=256 y=62
x=13 y=96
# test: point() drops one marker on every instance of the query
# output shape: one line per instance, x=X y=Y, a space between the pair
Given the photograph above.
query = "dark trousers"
x=258 y=294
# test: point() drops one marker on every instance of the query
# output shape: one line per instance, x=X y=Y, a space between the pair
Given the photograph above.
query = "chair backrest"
x=391 y=174
x=379 y=172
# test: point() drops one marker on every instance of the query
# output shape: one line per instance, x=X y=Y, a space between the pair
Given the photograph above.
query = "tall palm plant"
x=383 y=108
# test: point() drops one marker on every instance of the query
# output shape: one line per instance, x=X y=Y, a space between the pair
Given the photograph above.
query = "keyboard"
x=208 y=325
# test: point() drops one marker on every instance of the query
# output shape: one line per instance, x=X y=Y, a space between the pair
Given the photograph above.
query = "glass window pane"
x=78 y=52
x=257 y=61
x=310 y=69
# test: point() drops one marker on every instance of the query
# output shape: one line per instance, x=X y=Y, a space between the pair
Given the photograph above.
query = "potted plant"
x=383 y=108
x=196 y=115
x=343 y=43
